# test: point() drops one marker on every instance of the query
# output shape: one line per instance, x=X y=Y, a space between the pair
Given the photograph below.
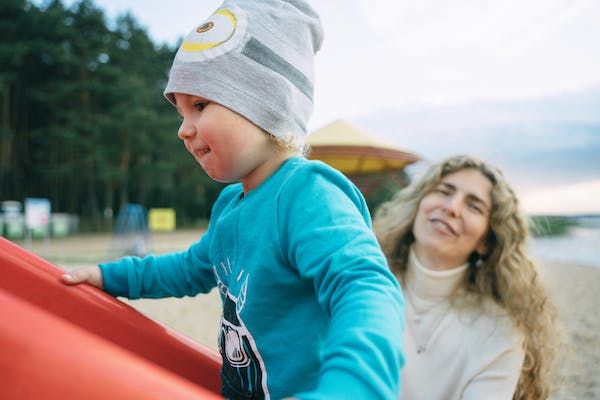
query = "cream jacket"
x=451 y=353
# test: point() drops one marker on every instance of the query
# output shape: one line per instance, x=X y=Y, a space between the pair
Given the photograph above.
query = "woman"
x=478 y=322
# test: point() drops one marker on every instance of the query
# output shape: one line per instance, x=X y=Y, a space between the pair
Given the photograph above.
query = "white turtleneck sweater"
x=453 y=353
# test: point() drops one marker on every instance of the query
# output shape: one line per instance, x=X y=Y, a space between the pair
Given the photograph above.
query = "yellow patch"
x=218 y=30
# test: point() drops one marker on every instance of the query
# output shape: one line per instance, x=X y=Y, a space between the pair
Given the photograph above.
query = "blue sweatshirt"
x=310 y=308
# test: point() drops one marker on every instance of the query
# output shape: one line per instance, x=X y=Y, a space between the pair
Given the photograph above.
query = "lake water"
x=581 y=245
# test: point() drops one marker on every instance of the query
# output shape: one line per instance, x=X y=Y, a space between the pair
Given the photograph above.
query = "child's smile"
x=226 y=145
x=201 y=152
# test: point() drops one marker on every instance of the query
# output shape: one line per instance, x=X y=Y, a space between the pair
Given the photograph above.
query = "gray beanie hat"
x=255 y=58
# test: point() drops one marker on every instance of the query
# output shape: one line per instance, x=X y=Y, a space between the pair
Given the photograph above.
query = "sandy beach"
x=573 y=289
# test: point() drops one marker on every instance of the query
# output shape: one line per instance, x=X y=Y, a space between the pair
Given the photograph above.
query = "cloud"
x=507 y=26
x=578 y=198
x=537 y=143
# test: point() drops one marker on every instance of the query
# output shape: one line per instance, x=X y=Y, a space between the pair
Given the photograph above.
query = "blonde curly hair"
x=290 y=144
x=505 y=275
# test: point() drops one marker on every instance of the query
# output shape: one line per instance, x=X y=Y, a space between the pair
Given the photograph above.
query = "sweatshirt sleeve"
x=178 y=274
x=326 y=230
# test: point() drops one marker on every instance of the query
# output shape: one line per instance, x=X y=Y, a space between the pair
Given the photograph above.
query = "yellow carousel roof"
x=354 y=151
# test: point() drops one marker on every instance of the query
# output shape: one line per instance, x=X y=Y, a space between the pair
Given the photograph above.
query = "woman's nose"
x=186 y=130
x=453 y=206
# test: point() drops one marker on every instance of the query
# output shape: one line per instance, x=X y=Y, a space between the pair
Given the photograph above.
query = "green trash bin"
x=14 y=226
x=59 y=225
x=39 y=232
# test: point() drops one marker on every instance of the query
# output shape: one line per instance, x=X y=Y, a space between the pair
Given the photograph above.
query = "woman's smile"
x=443 y=227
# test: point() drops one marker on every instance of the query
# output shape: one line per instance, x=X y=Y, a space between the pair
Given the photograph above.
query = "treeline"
x=83 y=119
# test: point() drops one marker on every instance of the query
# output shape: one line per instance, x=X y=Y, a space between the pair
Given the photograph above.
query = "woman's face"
x=453 y=220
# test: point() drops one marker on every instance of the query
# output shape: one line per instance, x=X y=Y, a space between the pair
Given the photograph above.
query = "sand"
x=574 y=290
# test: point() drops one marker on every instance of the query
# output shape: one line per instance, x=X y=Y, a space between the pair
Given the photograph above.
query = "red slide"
x=59 y=341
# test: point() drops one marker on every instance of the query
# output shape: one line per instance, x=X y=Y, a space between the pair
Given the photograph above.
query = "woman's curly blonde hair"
x=506 y=275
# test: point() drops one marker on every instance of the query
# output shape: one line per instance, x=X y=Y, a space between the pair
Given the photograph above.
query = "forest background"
x=83 y=119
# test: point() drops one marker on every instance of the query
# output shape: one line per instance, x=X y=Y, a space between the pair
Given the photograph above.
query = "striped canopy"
x=356 y=152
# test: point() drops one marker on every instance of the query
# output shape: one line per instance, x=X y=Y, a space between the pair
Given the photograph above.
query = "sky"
x=397 y=55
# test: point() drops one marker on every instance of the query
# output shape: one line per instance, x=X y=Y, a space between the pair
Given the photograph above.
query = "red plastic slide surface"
x=62 y=341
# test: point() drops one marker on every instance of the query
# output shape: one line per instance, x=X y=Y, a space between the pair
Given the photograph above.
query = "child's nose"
x=186 y=130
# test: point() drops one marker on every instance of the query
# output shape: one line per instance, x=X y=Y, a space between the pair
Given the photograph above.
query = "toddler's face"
x=226 y=145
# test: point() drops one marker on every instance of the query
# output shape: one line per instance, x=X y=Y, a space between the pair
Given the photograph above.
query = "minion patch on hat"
x=223 y=31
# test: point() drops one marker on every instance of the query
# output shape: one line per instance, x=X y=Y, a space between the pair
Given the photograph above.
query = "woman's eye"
x=200 y=106
x=443 y=191
x=475 y=208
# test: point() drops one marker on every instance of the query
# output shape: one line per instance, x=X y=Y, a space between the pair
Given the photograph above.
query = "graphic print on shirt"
x=243 y=372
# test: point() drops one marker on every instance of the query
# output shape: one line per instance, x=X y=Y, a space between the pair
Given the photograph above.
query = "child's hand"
x=91 y=275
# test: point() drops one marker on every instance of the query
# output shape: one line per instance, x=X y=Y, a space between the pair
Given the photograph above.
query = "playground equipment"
x=353 y=151
x=131 y=236
x=161 y=219
x=364 y=158
x=63 y=341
